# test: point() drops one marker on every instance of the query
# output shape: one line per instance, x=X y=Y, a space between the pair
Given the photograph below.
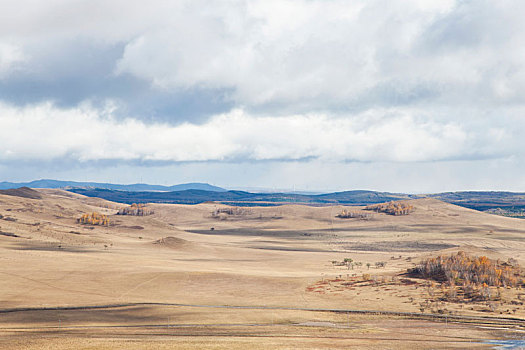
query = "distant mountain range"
x=194 y=193
x=133 y=187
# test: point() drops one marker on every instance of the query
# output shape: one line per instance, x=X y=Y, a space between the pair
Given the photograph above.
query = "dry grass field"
x=263 y=277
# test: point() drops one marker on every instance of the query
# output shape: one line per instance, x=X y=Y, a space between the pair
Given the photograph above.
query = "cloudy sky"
x=415 y=96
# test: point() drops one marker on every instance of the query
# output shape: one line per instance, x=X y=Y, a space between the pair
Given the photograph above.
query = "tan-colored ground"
x=172 y=269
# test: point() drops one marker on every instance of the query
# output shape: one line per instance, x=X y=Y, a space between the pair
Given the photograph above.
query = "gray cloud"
x=283 y=57
x=77 y=71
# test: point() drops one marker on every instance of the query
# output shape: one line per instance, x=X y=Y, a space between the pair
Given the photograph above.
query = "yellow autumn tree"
x=93 y=219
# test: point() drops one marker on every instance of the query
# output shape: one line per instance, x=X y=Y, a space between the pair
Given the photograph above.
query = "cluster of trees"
x=462 y=267
x=392 y=208
x=93 y=219
x=469 y=276
x=229 y=211
x=350 y=263
x=136 y=210
x=347 y=214
x=511 y=212
x=380 y=264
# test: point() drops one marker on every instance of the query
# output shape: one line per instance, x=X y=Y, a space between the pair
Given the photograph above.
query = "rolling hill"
x=274 y=274
x=242 y=198
x=507 y=201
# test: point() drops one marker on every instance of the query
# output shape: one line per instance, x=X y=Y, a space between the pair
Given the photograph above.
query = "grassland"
x=263 y=277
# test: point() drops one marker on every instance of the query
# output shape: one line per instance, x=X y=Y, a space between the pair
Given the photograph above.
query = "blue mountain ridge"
x=48 y=183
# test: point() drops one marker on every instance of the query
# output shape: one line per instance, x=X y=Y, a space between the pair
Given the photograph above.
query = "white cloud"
x=323 y=54
x=297 y=55
x=45 y=132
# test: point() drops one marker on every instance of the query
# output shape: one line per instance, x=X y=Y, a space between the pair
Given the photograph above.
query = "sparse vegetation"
x=136 y=209
x=93 y=219
x=392 y=208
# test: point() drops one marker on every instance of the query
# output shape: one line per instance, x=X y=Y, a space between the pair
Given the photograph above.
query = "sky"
x=392 y=95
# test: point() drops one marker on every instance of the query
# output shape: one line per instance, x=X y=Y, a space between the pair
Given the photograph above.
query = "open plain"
x=193 y=276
